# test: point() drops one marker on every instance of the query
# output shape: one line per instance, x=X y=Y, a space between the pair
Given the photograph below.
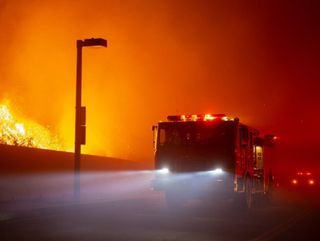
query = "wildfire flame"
x=20 y=132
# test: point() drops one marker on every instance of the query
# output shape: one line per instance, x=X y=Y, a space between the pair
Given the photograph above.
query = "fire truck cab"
x=209 y=155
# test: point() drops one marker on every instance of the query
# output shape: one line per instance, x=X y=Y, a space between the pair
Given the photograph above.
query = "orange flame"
x=28 y=133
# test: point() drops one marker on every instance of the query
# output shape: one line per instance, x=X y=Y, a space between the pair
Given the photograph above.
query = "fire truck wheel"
x=248 y=192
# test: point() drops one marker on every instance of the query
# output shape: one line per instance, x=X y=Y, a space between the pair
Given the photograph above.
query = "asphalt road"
x=144 y=216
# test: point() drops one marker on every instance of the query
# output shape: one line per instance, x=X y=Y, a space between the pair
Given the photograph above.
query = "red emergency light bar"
x=304 y=173
x=199 y=117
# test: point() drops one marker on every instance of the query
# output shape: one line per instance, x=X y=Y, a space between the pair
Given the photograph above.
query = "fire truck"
x=208 y=155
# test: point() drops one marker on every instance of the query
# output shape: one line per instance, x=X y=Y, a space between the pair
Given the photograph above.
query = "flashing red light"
x=195 y=117
x=205 y=117
x=304 y=173
x=294 y=181
x=311 y=182
x=208 y=117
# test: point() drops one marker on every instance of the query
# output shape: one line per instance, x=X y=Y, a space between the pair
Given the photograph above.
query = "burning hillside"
x=22 y=132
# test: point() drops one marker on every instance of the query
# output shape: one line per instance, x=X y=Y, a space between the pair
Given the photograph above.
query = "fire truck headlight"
x=164 y=170
x=217 y=171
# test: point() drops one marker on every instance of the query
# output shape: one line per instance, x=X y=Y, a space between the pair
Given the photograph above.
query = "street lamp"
x=80 y=125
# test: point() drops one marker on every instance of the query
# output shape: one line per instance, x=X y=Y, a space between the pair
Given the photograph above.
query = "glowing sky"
x=257 y=61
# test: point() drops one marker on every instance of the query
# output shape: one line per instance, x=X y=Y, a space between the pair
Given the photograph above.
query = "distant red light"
x=311 y=182
x=294 y=181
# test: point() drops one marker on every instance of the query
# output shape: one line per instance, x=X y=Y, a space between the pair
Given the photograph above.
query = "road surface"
x=142 y=215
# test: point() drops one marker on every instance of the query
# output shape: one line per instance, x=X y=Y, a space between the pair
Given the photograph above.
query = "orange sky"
x=255 y=61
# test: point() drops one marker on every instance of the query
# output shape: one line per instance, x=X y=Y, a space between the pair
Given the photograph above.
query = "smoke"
x=95 y=186
x=257 y=62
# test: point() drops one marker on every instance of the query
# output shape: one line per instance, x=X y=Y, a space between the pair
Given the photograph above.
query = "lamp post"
x=80 y=124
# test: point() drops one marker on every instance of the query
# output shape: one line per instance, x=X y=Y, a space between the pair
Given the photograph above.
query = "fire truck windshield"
x=209 y=143
x=196 y=134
